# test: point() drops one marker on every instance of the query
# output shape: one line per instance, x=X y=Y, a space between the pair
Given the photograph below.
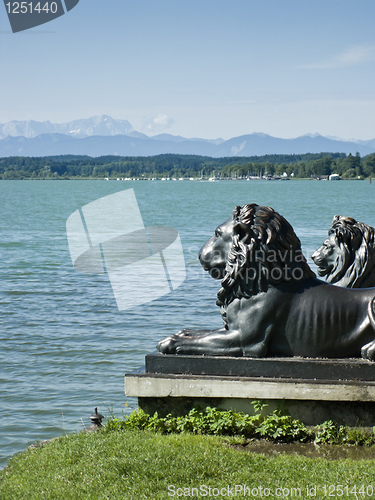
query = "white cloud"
x=157 y=124
x=353 y=56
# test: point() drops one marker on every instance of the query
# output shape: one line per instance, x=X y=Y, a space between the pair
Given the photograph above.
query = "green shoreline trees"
x=187 y=166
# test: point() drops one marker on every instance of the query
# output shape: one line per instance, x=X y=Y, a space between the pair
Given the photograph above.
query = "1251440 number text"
x=31 y=7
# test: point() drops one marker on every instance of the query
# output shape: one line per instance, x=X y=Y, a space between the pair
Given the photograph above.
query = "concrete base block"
x=308 y=397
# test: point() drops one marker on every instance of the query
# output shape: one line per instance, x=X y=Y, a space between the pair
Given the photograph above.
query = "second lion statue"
x=271 y=302
x=347 y=256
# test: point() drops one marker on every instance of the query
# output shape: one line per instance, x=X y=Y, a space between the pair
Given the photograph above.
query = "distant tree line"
x=187 y=166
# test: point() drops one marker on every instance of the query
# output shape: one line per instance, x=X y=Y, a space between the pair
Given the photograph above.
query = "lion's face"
x=214 y=253
x=347 y=257
x=328 y=256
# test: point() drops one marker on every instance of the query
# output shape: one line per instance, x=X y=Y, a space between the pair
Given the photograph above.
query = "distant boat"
x=334 y=177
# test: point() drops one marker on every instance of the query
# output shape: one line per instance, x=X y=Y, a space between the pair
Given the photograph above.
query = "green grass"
x=147 y=456
x=135 y=464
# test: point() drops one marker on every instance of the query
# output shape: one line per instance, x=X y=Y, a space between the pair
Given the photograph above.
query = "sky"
x=198 y=68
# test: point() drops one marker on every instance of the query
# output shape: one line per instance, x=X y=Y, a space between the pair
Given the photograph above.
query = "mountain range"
x=103 y=135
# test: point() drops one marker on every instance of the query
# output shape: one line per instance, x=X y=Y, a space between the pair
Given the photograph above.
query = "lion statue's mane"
x=271 y=302
x=351 y=262
x=264 y=246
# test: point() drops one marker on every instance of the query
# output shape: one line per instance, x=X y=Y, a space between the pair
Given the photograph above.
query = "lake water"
x=65 y=346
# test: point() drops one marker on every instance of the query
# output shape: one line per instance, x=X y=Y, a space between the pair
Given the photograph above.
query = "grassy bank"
x=206 y=453
x=135 y=464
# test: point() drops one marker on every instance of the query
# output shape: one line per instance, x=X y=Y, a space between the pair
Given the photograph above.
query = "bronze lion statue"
x=347 y=256
x=271 y=302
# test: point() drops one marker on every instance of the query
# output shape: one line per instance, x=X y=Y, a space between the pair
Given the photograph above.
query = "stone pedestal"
x=312 y=390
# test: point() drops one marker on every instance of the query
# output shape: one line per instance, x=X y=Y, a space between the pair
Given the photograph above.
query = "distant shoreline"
x=174 y=167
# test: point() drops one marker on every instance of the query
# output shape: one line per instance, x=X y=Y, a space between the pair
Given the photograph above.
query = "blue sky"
x=202 y=68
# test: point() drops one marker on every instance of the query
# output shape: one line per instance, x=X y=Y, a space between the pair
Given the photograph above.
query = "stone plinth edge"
x=307 y=368
x=157 y=385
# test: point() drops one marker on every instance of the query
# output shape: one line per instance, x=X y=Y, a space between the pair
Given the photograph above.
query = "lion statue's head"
x=252 y=250
x=347 y=256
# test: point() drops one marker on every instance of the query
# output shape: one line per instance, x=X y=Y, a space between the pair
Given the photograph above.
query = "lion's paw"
x=186 y=341
x=368 y=351
x=167 y=346
x=171 y=344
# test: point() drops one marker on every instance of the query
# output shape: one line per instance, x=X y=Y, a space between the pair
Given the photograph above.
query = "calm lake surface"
x=65 y=346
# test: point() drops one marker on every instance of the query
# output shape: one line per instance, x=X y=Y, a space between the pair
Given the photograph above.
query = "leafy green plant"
x=283 y=428
x=259 y=405
x=277 y=426
x=360 y=436
x=329 y=432
x=217 y=422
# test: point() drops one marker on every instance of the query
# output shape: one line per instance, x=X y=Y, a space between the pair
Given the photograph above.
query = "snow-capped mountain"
x=103 y=135
x=97 y=125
